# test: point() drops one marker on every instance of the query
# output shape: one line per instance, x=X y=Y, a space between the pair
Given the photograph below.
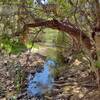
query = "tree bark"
x=65 y=26
x=97 y=12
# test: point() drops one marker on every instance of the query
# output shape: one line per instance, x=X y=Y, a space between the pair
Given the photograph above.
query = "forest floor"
x=75 y=81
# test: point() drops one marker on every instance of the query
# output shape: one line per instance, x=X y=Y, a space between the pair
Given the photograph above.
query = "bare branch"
x=64 y=26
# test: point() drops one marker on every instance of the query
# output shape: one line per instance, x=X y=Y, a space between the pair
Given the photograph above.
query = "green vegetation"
x=97 y=64
x=30 y=32
x=11 y=45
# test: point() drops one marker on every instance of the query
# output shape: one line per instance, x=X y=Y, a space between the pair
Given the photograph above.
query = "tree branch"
x=64 y=26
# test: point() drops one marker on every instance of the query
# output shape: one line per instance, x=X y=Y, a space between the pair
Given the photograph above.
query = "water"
x=42 y=81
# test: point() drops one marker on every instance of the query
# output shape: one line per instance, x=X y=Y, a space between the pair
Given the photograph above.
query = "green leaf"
x=29 y=44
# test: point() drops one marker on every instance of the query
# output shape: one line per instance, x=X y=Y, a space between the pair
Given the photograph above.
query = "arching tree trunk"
x=65 y=26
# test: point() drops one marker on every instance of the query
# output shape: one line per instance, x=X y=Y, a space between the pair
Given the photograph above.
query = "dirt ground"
x=75 y=81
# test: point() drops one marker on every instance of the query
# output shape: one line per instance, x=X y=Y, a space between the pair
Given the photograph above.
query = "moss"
x=97 y=63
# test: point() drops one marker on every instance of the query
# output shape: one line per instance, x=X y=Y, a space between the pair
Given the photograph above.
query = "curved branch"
x=64 y=26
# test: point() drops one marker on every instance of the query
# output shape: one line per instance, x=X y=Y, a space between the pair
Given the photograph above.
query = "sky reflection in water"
x=42 y=81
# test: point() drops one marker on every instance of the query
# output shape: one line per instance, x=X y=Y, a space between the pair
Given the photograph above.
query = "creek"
x=42 y=81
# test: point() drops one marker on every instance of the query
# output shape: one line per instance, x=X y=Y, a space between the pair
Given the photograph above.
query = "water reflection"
x=42 y=81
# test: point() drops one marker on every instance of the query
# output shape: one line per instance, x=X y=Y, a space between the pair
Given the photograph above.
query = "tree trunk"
x=65 y=26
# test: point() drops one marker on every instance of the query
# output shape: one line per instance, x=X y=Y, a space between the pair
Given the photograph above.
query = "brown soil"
x=74 y=82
